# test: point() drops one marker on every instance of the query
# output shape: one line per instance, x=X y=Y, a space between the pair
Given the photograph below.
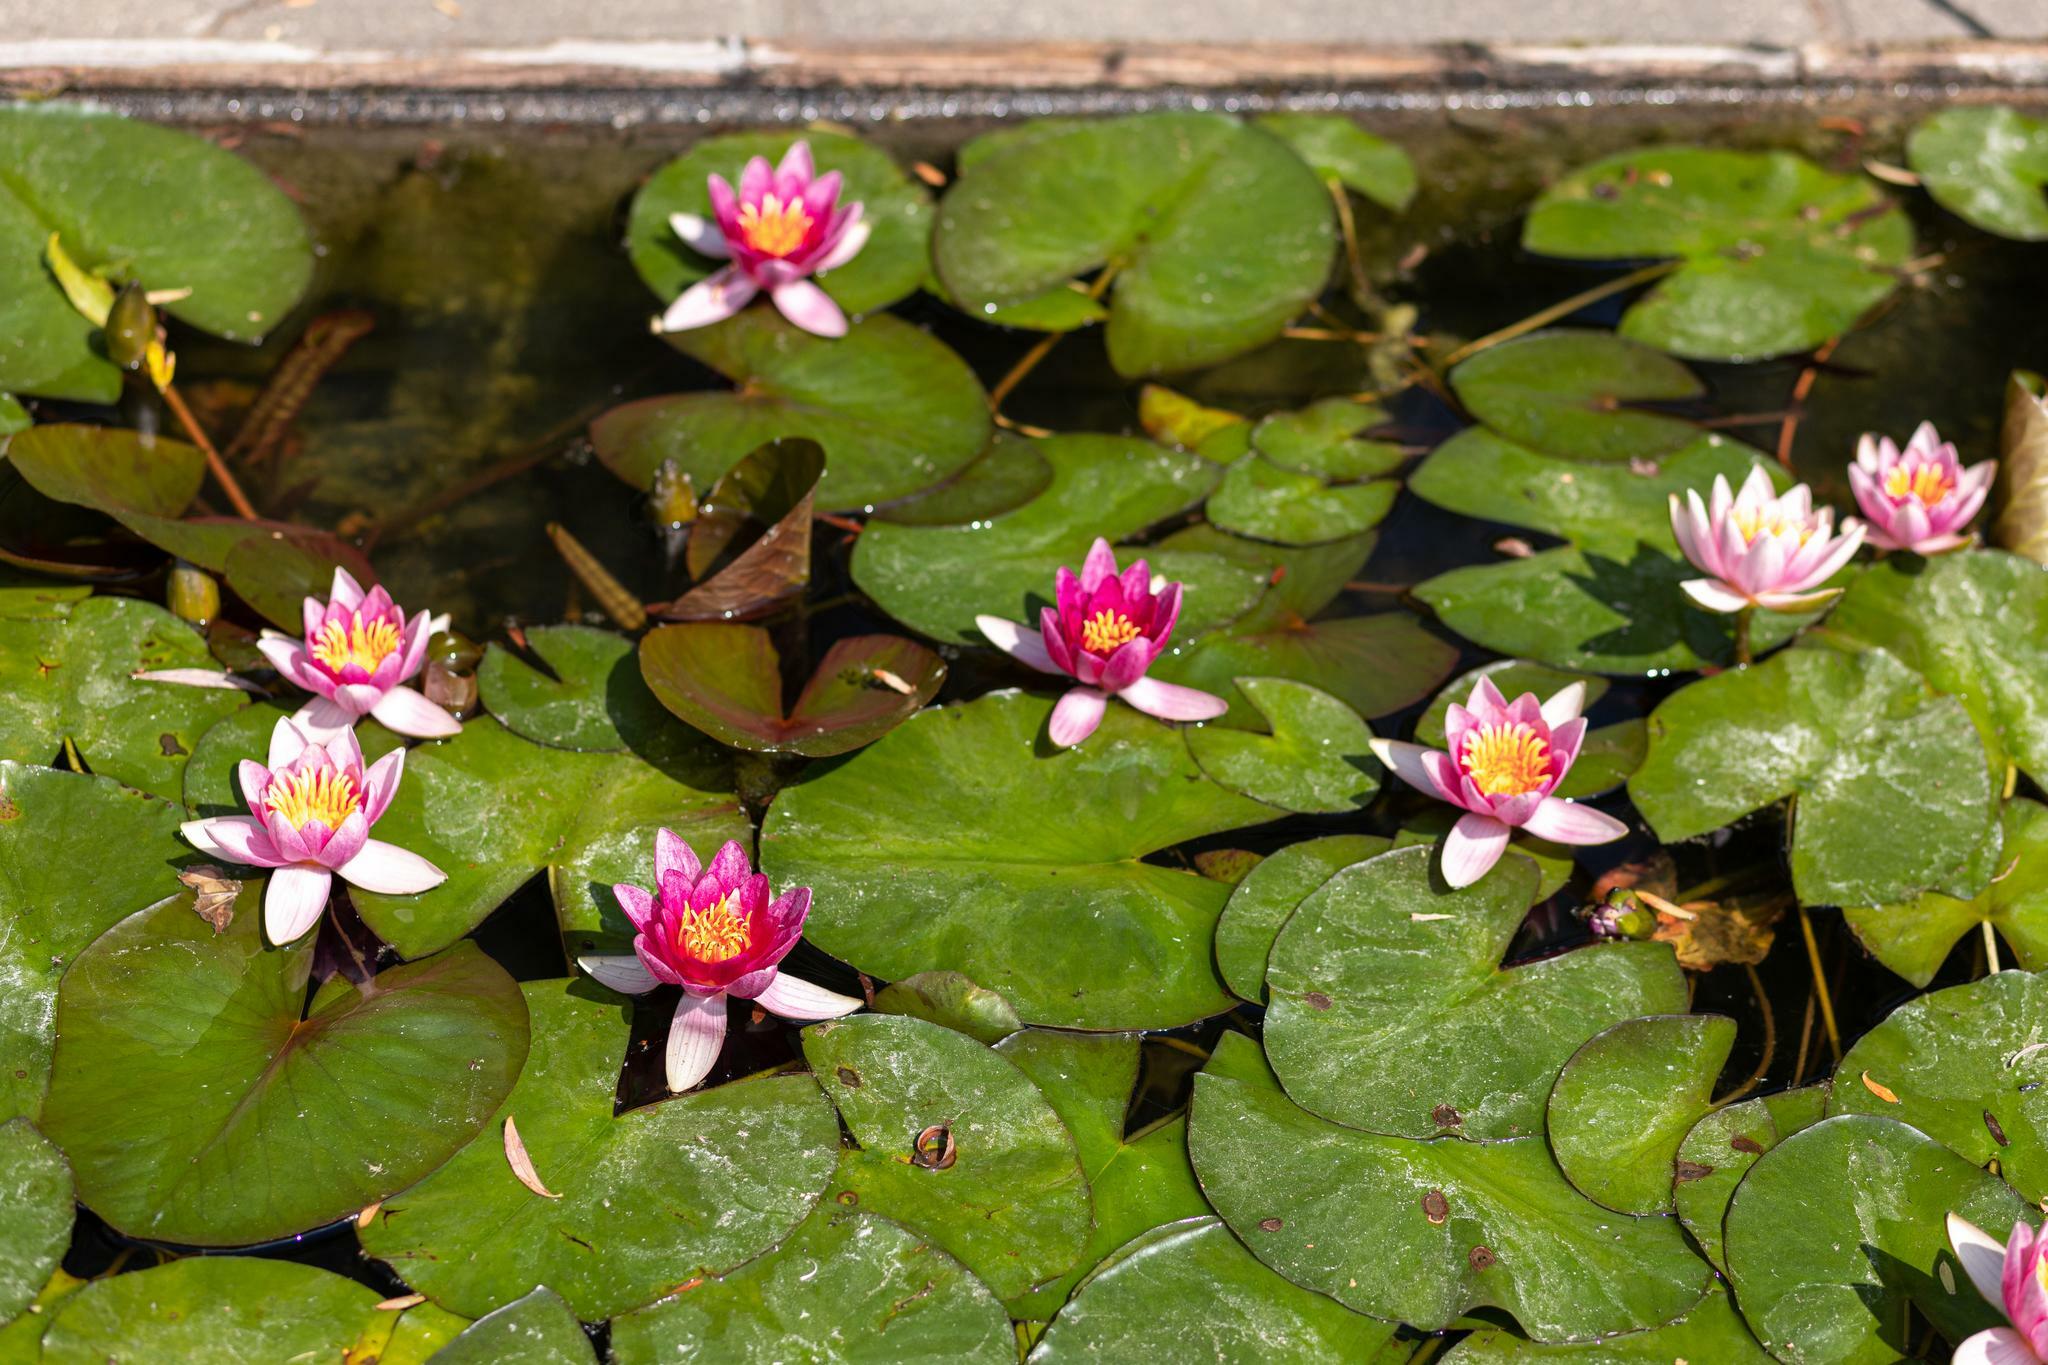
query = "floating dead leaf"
x=1883 y=1092
x=369 y=1214
x=521 y=1163
x=1227 y=865
x=1658 y=872
x=402 y=1302
x=772 y=487
x=214 y=894
x=1890 y=174
x=2020 y=498
x=1174 y=419
x=1513 y=547
x=1706 y=934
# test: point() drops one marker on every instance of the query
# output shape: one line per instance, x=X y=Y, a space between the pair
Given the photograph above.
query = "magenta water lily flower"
x=358 y=651
x=1919 y=499
x=1505 y=762
x=2012 y=1276
x=1106 y=631
x=310 y=814
x=781 y=227
x=1759 y=548
x=714 y=932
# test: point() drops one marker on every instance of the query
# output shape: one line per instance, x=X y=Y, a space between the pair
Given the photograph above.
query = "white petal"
x=1982 y=1257
x=794 y=999
x=1021 y=643
x=694 y=1037
x=625 y=974
x=406 y=712
x=391 y=870
x=1565 y=705
x=293 y=902
x=1995 y=1346
x=700 y=234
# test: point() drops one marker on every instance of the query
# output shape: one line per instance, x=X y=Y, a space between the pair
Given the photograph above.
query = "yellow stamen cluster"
x=368 y=644
x=1753 y=522
x=774 y=228
x=1107 y=631
x=1507 y=760
x=1926 y=482
x=303 y=796
x=714 y=933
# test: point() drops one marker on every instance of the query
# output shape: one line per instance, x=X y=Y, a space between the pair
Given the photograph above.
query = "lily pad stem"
x=1030 y=359
x=1742 y=619
x=1990 y=949
x=243 y=507
x=1362 y=292
x=1544 y=317
x=1801 y=387
x=1770 y=1052
x=1820 y=986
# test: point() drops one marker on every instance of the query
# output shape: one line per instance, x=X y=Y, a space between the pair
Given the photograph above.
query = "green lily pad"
x=140 y=202
x=357 y=1099
x=228 y=1309
x=1714 y=1331
x=1423 y=1232
x=1914 y=937
x=1135 y=1183
x=1722 y=1147
x=493 y=810
x=596 y=700
x=14 y=418
x=1010 y=473
x=846 y=1286
x=1190 y=1290
x=1012 y=1204
x=536 y=1330
x=1963 y=1067
x=1627 y=1098
x=1169 y=200
x=937 y=579
x=725 y=679
x=1261 y=903
x=951 y=1001
x=1409 y=1026
x=1987 y=165
x=893 y=408
x=895 y=208
x=1889 y=785
x=912 y=875
x=650 y=1198
x=1317 y=758
x=25 y=598
x=1776 y=254
x=1259 y=499
x=1325 y=439
x=1607 y=755
x=37 y=1185
x=1827 y=1279
x=1337 y=149
x=1569 y=393
x=77 y=855
x=67 y=678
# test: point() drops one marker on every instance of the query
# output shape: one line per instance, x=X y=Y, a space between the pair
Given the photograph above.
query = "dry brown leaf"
x=1716 y=933
x=216 y=893
x=2020 y=499
x=403 y=1301
x=891 y=681
x=521 y=1163
x=369 y=1212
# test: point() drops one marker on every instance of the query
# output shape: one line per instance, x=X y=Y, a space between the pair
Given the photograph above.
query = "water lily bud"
x=1621 y=917
x=673 y=500
x=192 y=594
x=131 y=327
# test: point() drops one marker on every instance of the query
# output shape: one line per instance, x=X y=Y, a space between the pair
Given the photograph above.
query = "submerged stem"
x=1763 y=1065
x=1030 y=359
x=1742 y=620
x=1545 y=316
x=243 y=507
x=1820 y=986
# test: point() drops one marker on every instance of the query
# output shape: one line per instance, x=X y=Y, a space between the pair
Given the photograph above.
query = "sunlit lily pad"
x=952 y=1001
x=142 y=202
x=1170 y=201
x=1608 y=754
x=1988 y=165
x=1192 y=1291
x=894 y=206
x=1963 y=1066
x=649 y=1198
x=1261 y=903
x=1134 y=1183
x=1714 y=1331
x=1627 y=1098
x=1422 y=1232
x=357 y=1099
x=1259 y=499
x=1010 y=473
x=1579 y=395
x=67 y=678
x=846 y=1286
x=1722 y=1147
x=1011 y=1204
x=894 y=409
x=1825 y=1281
x=77 y=855
x=937 y=579
x=37 y=1182
x=492 y=810
x=1336 y=148
x=726 y=680
x=970 y=874
x=14 y=418
x=1386 y=1017
x=1317 y=758
x=1327 y=439
x=1776 y=254
x=1914 y=937
x=536 y=1330
x=1891 y=794
x=596 y=699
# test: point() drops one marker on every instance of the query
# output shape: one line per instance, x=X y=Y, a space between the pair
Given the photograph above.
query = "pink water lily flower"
x=1106 y=631
x=1759 y=548
x=714 y=932
x=1921 y=498
x=781 y=227
x=2014 y=1277
x=1505 y=761
x=311 y=810
x=358 y=650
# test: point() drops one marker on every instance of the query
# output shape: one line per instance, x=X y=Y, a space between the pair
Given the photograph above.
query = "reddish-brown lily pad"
x=726 y=680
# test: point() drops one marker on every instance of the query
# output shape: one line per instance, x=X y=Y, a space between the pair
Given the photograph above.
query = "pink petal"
x=794 y=999
x=672 y=854
x=1410 y=763
x=321 y=719
x=391 y=870
x=700 y=234
x=418 y=635
x=1565 y=742
x=756 y=179
x=254 y=780
x=346 y=842
x=1128 y=664
x=847 y=247
x=292 y=662
x=1714 y=595
x=730 y=866
x=407 y=712
x=623 y=974
x=810 y=308
x=786 y=918
x=1910 y=523
x=1076 y=715
x=1026 y=646
x=1486 y=704
x=657 y=966
x=287 y=743
x=346 y=592
x=1995 y=1346
x=1053 y=638
x=695 y=1036
x=1165 y=613
x=1099 y=566
x=1796 y=601
x=819 y=196
x=294 y=901
x=1172 y=702
x=380 y=784
x=238 y=838
x=714 y=298
x=1472 y=847
x=796 y=164
x=1982 y=1257
x=638 y=904
x=1563 y=822
x=1564 y=705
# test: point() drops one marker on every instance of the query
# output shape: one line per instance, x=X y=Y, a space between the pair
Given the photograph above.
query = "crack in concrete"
x=1976 y=27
